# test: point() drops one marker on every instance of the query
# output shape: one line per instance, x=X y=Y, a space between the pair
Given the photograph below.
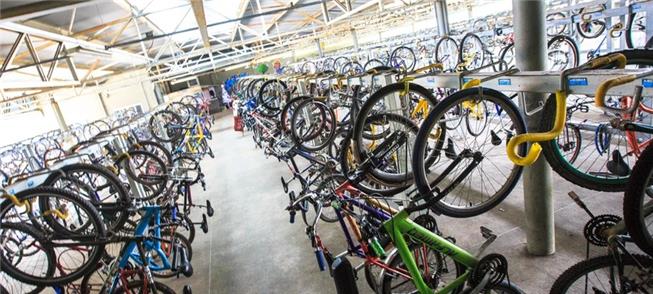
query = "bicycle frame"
x=400 y=225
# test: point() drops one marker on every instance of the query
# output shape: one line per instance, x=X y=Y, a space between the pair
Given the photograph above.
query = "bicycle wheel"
x=353 y=67
x=590 y=29
x=144 y=167
x=166 y=126
x=602 y=165
x=18 y=238
x=141 y=287
x=170 y=252
x=636 y=30
x=562 y=53
x=287 y=112
x=446 y=52
x=507 y=57
x=638 y=203
x=313 y=125
x=369 y=185
x=185 y=111
x=155 y=148
x=397 y=102
x=436 y=268
x=97 y=185
x=473 y=175
x=601 y=275
x=403 y=57
x=472 y=52
x=372 y=63
x=66 y=225
x=325 y=190
x=270 y=96
x=555 y=29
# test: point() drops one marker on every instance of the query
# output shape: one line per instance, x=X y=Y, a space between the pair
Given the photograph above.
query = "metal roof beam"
x=354 y=11
x=41 y=8
x=70 y=40
x=200 y=18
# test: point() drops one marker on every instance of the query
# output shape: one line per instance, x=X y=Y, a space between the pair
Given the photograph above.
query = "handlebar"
x=601 y=91
x=619 y=60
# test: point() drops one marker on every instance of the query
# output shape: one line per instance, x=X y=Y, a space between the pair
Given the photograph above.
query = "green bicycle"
x=485 y=275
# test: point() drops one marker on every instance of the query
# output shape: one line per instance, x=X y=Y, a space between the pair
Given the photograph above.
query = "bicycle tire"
x=266 y=103
x=583 y=268
x=155 y=148
x=89 y=211
x=119 y=205
x=169 y=273
x=49 y=254
x=368 y=185
x=439 y=49
x=372 y=63
x=572 y=44
x=160 y=287
x=634 y=201
x=411 y=56
x=287 y=110
x=156 y=182
x=566 y=169
x=172 y=130
x=367 y=109
x=420 y=167
x=461 y=50
x=596 y=34
x=327 y=126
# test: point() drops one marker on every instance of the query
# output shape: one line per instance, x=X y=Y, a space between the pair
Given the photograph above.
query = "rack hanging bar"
x=530 y=81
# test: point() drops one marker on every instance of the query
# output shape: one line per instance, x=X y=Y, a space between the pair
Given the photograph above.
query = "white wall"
x=79 y=106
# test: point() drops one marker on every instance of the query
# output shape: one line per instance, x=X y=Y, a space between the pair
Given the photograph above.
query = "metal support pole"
x=104 y=104
x=442 y=17
x=530 y=45
x=354 y=38
x=325 y=12
x=319 y=47
x=57 y=114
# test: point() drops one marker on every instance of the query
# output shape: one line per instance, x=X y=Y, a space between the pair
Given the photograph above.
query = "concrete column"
x=530 y=50
x=442 y=17
x=354 y=38
x=57 y=114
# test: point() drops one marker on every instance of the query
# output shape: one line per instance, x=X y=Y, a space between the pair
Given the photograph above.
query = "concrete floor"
x=252 y=248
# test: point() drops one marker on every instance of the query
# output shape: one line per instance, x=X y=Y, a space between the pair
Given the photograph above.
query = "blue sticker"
x=465 y=80
x=430 y=79
x=647 y=83
x=578 y=82
x=504 y=82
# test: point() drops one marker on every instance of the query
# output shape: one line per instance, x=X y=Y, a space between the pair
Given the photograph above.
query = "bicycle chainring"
x=428 y=222
x=595 y=228
x=495 y=265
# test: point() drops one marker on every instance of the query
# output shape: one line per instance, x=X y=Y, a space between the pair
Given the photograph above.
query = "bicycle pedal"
x=617 y=165
x=450 y=152
x=487 y=233
x=209 y=208
x=187 y=290
x=204 y=225
x=496 y=140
